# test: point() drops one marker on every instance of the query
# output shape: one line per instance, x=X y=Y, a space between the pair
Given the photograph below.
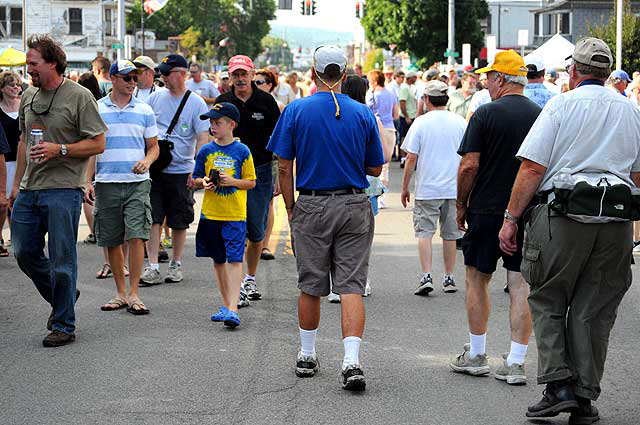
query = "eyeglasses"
x=568 y=67
x=260 y=82
x=50 y=103
x=225 y=78
x=128 y=78
x=194 y=72
x=167 y=73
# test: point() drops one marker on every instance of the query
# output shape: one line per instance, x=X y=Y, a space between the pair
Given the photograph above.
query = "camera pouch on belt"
x=601 y=203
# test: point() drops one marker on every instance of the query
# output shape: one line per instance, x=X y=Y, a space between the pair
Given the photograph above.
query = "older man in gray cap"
x=578 y=265
x=332 y=222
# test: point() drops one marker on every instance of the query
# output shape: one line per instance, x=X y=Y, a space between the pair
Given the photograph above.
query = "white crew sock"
x=351 y=350
x=308 y=342
x=517 y=354
x=177 y=263
x=250 y=277
x=478 y=344
x=154 y=266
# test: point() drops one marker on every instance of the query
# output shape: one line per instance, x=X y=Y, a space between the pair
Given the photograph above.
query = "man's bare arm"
x=285 y=178
x=467 y=172
x=374 y=171
x=527 y=182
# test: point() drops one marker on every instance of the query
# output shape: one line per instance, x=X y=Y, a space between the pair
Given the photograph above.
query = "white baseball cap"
x=535 y=62
x=329 y=55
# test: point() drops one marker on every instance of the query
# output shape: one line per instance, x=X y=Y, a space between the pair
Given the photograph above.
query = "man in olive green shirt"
x=50 y=177
x=460 y=99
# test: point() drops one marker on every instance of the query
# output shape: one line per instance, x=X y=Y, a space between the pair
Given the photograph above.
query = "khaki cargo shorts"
x=332 y=235
x=425 y=219
x=122 y=212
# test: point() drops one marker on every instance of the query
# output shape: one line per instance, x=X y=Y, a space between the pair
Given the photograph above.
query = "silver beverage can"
x=36 y=137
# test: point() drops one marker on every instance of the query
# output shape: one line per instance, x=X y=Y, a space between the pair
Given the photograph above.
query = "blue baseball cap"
x=620 y=75
x=224 y=109
x=172 y=61
x=122 y=67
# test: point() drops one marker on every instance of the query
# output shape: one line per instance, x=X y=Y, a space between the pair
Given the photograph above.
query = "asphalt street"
x=175 y=366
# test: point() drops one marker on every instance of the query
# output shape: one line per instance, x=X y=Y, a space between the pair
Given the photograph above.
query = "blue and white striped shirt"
x=128 y=127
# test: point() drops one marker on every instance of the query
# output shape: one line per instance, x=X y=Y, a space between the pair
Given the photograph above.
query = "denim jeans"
x=258 y=200
x=56 y=212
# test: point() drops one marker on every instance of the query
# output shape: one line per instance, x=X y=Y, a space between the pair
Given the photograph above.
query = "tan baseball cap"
x=144 y=61
x=593 y=52
x=436 y=88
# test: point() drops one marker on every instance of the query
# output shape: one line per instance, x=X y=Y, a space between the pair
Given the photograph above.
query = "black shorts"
x=171 y=199
x=481 y=246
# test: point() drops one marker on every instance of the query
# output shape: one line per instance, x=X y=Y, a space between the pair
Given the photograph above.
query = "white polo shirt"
x=591 y=130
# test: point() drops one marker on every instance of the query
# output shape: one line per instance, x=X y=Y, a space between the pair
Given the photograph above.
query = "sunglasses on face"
x=225 y=78
x=128 y=78
x=260 y=82
x=167 y=73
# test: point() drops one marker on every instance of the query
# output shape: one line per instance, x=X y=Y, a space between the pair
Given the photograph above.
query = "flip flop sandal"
x=3 y=252
x=104 y=272
x=140 y=310
x=266 y=254
x=114 y=304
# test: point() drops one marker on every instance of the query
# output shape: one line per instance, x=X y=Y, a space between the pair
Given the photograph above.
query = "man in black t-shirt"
x=259 y=114
x=486 y=174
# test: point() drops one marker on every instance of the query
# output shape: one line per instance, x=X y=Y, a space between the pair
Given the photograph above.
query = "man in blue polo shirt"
x=335 y=143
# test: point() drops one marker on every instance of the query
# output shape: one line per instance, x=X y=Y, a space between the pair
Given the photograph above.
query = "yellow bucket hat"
x=507 y=62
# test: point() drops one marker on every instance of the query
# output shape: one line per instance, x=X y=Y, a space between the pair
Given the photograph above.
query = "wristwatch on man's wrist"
x=63 y=150
x=510 y=217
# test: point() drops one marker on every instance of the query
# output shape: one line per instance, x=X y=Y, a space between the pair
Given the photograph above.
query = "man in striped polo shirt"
x=123 y=208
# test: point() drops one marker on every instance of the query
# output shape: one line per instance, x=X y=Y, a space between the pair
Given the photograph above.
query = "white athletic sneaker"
x=174 y=274
x=367 y=289
x=333 y=298
x=150 y=277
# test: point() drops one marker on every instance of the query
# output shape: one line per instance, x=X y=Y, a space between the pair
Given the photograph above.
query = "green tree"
x=420 y=27
x=275 y=52
x=214 y=21
x=630 y=37
x=371 y=58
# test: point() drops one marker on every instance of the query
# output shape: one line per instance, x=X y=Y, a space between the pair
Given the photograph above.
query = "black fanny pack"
x=165 y=157
x=601 y=203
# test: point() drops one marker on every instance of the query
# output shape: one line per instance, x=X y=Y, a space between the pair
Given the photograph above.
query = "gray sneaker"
x=174 y=274
x=425 y=286
x=251 y=289
x=244 y=300
x=464 y=363
x=306 y=366
x=448 y=284
x=514 y=374
x=150 y=277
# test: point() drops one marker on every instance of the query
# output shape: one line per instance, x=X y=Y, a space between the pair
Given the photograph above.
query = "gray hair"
x=594 y=71
x=521 y=80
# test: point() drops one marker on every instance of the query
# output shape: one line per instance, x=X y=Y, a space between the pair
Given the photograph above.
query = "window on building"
x=536 y=24
x=108 y=22
x=285 y=4
x=3 y=22
x=564 y=23
x=15 y=24
x=75 y=21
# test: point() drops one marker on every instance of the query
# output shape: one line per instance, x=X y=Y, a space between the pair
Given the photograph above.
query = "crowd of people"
x=508 y=165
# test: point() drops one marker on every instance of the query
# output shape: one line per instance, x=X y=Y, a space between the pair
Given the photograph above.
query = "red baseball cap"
x=240 y=62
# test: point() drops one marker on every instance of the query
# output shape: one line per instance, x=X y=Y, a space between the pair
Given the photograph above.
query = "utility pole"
x=142 y=29
x=452 y=30
x=121 y=31
x=619 y=35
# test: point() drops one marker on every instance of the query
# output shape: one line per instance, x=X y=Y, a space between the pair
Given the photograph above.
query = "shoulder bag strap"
x=174 y=121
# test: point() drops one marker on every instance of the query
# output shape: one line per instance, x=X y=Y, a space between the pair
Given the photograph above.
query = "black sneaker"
x=352 y=378
x=58 y=339
x=306 y=366
x=585 y=414
x=556 y=398
x=163 y=256
x=50 y=320
x=425 y=286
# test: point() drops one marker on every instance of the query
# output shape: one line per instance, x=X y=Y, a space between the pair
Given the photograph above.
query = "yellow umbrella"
x=12 y=57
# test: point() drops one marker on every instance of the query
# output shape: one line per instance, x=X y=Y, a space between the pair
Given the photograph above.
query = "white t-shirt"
x=183 y=136
x=591 y=130
x=479 y=99
x=204 y=88
x=435 y=137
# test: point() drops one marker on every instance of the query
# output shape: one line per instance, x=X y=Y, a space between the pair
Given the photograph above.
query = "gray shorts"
x=122 y=212
x=426 y=215
x=332 y=235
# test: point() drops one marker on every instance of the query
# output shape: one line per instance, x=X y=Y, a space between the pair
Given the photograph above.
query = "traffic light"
x=358 y=10
x=303 y=7
x=313 y=7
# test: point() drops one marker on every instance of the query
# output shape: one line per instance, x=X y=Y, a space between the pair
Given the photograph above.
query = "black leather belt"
x=336 y=192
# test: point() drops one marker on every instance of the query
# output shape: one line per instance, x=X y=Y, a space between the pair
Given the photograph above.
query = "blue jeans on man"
x=56 y=212
x=258 y=200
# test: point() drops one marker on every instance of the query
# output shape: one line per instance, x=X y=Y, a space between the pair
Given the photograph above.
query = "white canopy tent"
x=553 y=52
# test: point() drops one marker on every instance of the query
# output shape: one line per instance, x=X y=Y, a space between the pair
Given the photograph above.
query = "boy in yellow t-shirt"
x=224 y=167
